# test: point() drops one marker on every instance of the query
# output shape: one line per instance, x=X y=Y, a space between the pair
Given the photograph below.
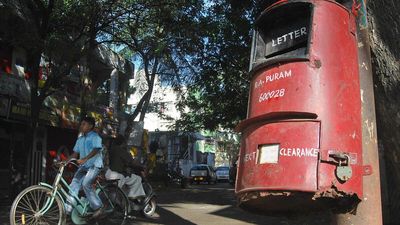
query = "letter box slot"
x=282 y=34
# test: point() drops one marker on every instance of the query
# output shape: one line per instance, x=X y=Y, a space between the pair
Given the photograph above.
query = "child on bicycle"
x=88 y=146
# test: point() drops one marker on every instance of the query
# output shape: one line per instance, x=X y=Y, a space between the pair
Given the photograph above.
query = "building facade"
x=26 y=161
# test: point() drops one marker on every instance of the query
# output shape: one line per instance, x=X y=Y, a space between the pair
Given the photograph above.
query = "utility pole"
x=369 y=210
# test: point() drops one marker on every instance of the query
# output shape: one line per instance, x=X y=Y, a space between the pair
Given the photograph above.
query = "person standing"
x=88 y=147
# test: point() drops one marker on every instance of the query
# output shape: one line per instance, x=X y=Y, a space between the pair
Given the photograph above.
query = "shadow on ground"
x=223 y=195
x=164 y=217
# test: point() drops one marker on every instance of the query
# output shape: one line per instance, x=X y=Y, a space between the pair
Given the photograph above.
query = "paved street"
x=201 y=204
x=214 y=204
x=204 y=204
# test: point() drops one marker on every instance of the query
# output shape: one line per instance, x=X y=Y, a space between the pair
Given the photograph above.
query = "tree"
x=60 y=32
x=57 y=33
x=160 y=36
x=218 y=96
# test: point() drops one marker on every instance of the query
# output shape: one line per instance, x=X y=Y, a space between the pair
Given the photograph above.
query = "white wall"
x=165 y=96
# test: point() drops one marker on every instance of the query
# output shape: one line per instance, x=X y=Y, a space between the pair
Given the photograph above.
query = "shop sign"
x=22 y=111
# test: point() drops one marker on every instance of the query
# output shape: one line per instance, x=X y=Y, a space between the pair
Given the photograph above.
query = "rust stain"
x=348 y=201
x=261 y=194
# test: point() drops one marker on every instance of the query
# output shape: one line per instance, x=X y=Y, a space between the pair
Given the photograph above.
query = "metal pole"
x=369 y=210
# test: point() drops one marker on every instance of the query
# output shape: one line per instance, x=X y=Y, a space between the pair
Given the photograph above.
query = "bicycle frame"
x=63 y=189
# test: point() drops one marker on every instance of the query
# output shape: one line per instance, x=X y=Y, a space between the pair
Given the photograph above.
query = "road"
x=214 y=204
x=201 y=204
x=204 y=204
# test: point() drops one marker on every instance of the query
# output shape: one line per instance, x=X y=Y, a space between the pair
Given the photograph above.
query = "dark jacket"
x=121 y=161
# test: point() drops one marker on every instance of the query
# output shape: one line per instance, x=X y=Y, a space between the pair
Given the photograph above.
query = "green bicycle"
x=43 y=204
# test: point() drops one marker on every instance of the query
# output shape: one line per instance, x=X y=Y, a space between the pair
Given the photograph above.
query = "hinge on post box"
x=340 y=158
x=334 y=157
x=353 y=17
x=352 y=26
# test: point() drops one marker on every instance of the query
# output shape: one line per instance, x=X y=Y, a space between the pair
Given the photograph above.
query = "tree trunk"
x=150 y=77
x=146 y=102
x=89 y=61
x=33 y=64
x=385 y=48
x=132 y=116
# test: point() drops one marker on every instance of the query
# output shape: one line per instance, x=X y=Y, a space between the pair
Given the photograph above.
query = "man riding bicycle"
x=88 y=146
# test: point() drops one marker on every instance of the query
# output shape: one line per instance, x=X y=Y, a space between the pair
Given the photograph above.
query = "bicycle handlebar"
x=73 y=162
x=64 y=163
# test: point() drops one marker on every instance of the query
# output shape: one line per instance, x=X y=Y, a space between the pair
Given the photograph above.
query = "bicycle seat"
x=111 y=181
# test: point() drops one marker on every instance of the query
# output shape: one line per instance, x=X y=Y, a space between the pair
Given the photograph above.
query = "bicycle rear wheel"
x=116 y=205
x=27 y=205
x=150 y=208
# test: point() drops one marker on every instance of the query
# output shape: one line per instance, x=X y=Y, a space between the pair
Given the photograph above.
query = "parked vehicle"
x=222 y=173
x=202 y=173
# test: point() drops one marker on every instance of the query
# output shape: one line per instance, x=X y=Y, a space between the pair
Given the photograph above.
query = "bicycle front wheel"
x=28 y=206
x=116 y=205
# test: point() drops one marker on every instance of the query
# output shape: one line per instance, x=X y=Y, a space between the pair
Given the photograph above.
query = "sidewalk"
x=5 y=206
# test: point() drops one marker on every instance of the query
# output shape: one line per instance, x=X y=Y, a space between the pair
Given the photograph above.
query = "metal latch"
x=343 y=169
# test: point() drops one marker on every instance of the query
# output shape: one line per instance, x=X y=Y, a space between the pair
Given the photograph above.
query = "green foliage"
x=218 y=96
x=162 y=33
x=160 y=37
x=61 y=31
x=202 y=45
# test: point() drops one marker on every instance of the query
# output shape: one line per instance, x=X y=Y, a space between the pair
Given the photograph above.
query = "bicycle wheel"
x=116 y=205
x=27 y=205
x=150 y=208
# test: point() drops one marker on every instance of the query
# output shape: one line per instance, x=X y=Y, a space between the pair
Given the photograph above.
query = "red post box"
x=301 y=142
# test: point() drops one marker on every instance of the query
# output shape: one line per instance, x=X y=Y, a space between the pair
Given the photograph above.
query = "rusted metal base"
x=278 y=203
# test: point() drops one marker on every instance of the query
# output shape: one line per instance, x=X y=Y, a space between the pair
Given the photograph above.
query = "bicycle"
x=44 y=203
